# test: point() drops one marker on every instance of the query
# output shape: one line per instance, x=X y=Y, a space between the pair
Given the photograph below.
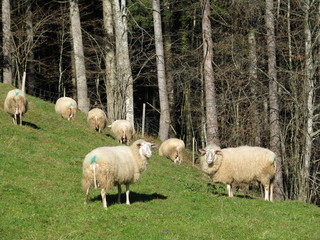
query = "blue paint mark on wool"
x=93 y=159
x=71 y=105
x=17 y=93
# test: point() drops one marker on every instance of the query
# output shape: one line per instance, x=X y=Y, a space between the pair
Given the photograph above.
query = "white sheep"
x=97 y=119
x=66 y=107
x=16 y=105
x=172 y=148
x=123 y=130
x=106 y=167
x=243 y=164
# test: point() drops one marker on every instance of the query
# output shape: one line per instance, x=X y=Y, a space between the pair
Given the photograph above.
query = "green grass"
x=41 y=195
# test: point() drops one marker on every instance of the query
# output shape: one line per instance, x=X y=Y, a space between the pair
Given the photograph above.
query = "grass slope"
x=41 y=195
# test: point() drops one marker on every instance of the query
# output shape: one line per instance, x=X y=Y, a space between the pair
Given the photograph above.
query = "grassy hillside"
x=41 y=195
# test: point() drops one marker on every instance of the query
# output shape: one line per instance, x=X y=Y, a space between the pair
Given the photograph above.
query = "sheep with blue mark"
x=243 y=164
x=16 y=105
x=66 y=107
x=106 y=167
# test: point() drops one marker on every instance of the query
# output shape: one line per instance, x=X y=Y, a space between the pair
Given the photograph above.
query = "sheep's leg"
x=20 y=118
x=271 y=192
x=104 y=200
x=230 y=193
x=127 y=194
x=177 y=159
x=266 y=192
x=119 y=193
x=87 y=195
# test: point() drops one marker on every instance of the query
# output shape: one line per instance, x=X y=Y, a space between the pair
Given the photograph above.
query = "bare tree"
x=80 y=70
x=310 y=69
x=30 y=42
x=124 y=74
x=253 y=76
x=6 y=30
x=275 y=144
x=210 y=91
x=168 y=59
x=161 y=72
x=111 y=83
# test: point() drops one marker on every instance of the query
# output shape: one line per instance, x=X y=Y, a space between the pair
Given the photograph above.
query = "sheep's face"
x=145 y=149
x=210 y=155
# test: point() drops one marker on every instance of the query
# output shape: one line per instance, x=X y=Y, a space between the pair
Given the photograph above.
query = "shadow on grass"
x=134 y=197
x=110 y=136
x=24 y=123
x=220 y=191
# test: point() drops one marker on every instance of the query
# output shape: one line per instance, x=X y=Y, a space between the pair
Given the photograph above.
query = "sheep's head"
x=210 y=154
x=145 y=149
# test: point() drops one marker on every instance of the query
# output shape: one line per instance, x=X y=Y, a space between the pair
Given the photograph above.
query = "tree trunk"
x=275 y=144
x=163 y=95
x=110 y=60
x=309 y=89
x=30 y=60
x=123 y=61
x=210 y=91
x=82 y=92
x=253 y=76
x=169 y=67
x=6 y=31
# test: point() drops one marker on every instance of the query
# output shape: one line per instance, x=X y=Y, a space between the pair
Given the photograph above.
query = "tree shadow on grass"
x=24 y=123
x=134 y=197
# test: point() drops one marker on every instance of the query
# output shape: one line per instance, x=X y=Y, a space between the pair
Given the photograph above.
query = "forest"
x=265 y=95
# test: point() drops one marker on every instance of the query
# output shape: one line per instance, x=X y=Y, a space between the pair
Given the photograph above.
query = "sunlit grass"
x=41 y=195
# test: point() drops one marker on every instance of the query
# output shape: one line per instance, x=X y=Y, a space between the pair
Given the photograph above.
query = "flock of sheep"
x=106 y=167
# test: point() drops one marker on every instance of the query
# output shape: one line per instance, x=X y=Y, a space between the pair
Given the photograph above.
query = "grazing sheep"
x=123 y=130
x=66 y=107
x=243 y=164
x=106 y=167
x=16 y=105
x=172 y=148
x=97 y=119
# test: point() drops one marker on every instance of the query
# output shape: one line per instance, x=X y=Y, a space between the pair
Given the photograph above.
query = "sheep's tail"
x=124 y=136
x=178 y=158
x=23 y=89
x=94 y=165
x=96 y=123
x=71 y=114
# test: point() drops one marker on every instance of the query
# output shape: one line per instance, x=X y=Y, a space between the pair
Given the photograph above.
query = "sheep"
x=123 y=130
x=172 y=148
x=16 y=104
x=66 y=107
x=97 y=119
x=243 y=164
x=105 y=167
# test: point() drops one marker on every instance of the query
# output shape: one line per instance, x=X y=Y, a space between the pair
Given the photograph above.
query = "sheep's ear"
x=218 y=152
x=109 y=126
x=202 y=151
x=139 y=145
x=154 y=145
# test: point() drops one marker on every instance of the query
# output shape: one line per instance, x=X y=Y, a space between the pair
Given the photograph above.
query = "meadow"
x=41 y=195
